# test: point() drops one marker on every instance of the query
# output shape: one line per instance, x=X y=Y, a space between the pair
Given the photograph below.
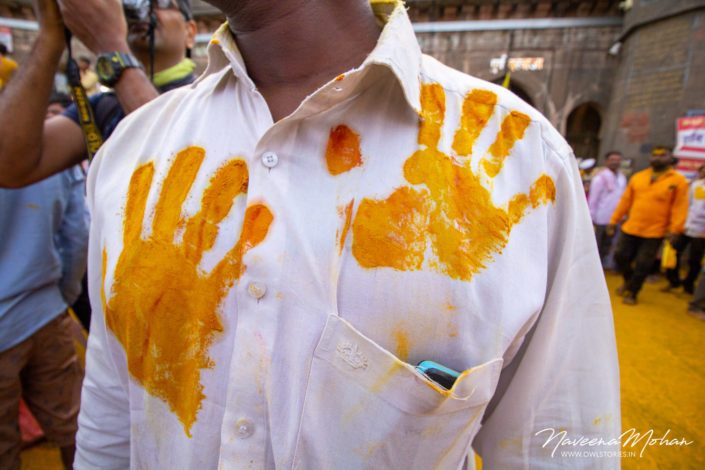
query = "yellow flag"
x=505 y=83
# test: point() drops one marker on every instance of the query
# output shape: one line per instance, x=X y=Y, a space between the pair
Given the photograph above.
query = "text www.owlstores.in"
x=598 y=453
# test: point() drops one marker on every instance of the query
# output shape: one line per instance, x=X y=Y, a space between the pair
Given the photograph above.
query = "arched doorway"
x=516 y=89
x=583 y=130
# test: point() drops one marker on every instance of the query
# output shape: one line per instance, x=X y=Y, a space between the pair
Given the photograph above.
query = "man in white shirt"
x=275 y=247
x=694 y=237
x=606 y=189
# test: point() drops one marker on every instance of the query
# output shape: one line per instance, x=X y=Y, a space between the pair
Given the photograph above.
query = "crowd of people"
x=657 y=209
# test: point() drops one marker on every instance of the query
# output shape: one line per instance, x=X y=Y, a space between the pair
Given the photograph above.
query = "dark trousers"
x=639 y=251
x=604 y=241
x=698 y=300
x=697 y=249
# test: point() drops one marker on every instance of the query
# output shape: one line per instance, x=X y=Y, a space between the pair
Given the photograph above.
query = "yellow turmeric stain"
x=343 y=151
x=477 y=110
x=433 y=109
x=218 y=199
x=542 y=191
x=402 y=340
x=454 y=214
x=339 y=77
x=162 y=308
x=33 y=206
x=512 y=130
x=392 y=232
x=346 y=228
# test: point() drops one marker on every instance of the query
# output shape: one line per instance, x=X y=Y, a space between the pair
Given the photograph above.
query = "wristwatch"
x=110 y=66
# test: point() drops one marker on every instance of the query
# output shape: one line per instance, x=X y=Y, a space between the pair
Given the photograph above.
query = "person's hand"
x=51 y=25
x=671 y=237
x=610 y=230
x=99 y=24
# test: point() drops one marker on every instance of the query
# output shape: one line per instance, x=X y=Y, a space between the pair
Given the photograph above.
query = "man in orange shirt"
x=7 y=66
x=656 y=205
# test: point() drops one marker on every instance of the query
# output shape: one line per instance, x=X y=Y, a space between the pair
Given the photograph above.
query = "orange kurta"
x=653 y=208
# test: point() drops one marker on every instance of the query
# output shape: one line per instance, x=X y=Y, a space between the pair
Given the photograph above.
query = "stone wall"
x=660 y=76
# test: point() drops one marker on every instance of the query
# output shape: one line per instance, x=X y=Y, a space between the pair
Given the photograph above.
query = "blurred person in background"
x=7 y=66
x=58 y=102
x=693 y=237
x=655 y=204
x=605 y=192
x=89 y=79
x=44 y=240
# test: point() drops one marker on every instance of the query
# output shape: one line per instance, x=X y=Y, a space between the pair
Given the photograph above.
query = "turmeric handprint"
x=449 y=207
x=162 y=307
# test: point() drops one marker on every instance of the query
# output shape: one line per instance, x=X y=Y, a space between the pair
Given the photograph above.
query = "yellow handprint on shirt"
x=162 y=307
x=448 y=206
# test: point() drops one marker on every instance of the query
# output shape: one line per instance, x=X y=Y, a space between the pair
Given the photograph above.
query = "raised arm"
x=30 y=148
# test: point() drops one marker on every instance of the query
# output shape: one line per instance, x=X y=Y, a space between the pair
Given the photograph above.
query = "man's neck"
x=162 y=61
x=292 y=48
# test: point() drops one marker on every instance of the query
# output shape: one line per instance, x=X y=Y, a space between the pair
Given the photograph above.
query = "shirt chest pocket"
x=366 y=409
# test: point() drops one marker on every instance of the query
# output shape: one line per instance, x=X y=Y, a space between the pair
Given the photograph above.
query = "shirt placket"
x=245 y=429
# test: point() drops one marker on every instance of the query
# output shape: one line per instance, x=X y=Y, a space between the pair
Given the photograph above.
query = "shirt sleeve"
x=563 y=382
x=679 y=210
x=103 y=438
x=72 y=238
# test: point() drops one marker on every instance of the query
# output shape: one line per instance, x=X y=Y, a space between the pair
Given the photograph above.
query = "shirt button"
x=256 y=290
x=270 y=159
x=244 y=428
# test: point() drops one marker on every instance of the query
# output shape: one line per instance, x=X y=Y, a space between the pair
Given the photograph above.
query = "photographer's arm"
x=30 y=148
x=23 y=106
x=101 y=26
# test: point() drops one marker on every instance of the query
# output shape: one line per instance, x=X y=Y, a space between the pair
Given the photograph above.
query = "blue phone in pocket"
x=435 y=372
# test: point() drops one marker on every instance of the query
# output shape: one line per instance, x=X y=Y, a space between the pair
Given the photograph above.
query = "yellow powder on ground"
x=162 y=308
x=343 y=151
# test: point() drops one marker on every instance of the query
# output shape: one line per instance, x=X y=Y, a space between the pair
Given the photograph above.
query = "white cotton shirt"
x=292 y=343
x=695 y=224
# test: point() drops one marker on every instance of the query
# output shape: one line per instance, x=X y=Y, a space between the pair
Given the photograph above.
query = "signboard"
x=690 y=145
x=529 y=64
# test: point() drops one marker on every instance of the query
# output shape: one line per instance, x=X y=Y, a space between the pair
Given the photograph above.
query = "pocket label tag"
x=351 y=354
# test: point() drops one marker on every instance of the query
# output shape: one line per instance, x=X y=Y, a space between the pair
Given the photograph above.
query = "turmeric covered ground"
x=662 y=360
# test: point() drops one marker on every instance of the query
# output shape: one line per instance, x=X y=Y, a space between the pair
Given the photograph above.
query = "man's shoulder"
x=460 y=87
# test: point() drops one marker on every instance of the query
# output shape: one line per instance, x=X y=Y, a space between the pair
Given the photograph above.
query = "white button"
x=244 y=428
x=256 y=290
x=270 y=159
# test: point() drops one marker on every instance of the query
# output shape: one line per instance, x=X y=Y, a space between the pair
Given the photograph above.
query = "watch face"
x=104 y=67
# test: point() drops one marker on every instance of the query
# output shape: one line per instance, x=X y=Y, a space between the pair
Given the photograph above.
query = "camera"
x=136 y=10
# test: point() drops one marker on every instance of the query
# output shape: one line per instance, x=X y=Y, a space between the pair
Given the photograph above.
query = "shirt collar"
x=397 y=49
